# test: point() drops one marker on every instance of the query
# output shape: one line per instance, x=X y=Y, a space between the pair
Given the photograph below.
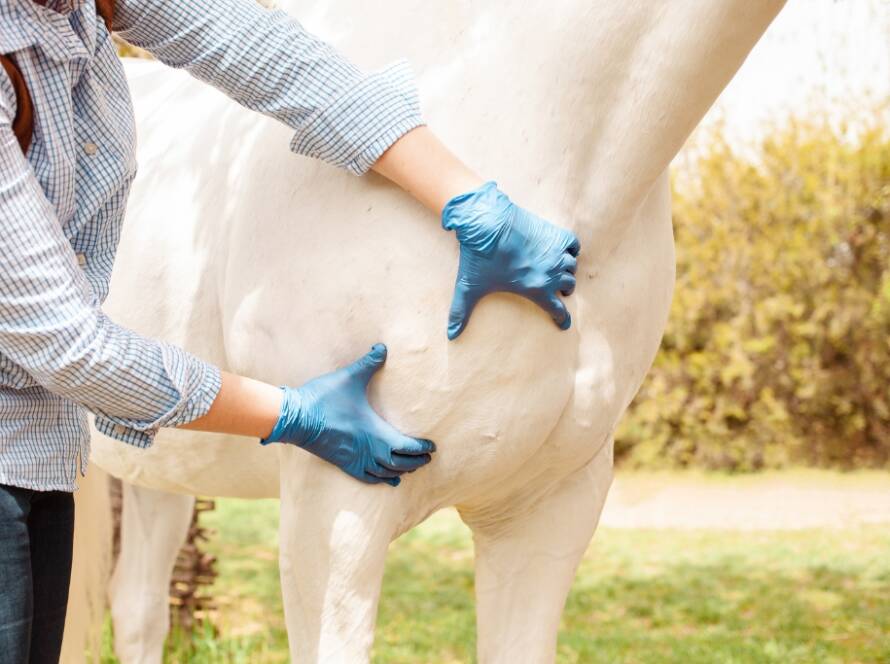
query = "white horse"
x=281 y=268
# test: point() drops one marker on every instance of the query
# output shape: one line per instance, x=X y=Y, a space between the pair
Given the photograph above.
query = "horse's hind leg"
x=525 y=564
x=334 y=533
x=154 y=525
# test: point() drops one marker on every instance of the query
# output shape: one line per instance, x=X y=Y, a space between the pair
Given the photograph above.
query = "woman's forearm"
x=421 y=165
x=243 y=406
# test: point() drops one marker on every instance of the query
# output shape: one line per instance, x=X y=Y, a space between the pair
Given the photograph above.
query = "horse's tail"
x=91 y=569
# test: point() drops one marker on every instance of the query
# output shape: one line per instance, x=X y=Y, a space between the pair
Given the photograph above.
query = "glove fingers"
x=368 y=478
x=413 y=446
x=558 y=312
x=566 y=283
x=404 y=463
x=462 y=305
x=381 y=471
x=568 y=263
x=573 y=246
x=365 y=367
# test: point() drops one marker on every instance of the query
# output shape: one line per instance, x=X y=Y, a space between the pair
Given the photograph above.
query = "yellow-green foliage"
x=127 y=50
x=778 y=347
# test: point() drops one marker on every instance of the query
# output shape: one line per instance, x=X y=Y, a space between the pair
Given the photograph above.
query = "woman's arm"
x=421 y=165
x=264 y=59
x=329 y=416
x=243 y=407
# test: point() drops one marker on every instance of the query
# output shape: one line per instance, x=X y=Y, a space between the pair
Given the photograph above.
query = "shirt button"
x=81 y=259
x=119 y=429
x=90 y=148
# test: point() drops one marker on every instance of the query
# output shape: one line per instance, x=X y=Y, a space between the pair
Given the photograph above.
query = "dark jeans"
x=36 y=536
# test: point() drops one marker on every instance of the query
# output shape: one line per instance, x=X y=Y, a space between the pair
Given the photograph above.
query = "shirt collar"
x=15 y=34
x=61 y=6
x=25 y=23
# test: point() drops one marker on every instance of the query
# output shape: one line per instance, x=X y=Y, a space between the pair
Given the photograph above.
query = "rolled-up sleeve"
x=52 y=327
x=265 y=60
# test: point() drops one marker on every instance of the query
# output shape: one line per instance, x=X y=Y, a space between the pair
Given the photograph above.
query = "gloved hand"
x=506 y=248
x=330 y=416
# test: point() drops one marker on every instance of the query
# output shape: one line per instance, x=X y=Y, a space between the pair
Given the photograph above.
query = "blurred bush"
x=778 y=347
x=127 y=50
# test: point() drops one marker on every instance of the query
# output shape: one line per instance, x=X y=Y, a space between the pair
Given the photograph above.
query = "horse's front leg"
x=154 y=525
x=334 y=532
x=526 y=557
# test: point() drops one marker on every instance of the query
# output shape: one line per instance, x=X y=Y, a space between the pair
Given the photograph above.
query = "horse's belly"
x=193 y=463
x=337 y=264
x=282 y=269
x=320 y=265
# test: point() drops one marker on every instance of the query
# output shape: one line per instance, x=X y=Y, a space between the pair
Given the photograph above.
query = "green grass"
x=639 y=597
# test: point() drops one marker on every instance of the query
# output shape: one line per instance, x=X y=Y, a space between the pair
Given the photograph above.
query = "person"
x=63 y=191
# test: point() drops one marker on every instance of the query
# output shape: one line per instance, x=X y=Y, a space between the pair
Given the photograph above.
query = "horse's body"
x=281 y=268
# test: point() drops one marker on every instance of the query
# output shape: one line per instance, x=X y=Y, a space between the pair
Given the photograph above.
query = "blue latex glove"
x=506 y=248
x=330 y=416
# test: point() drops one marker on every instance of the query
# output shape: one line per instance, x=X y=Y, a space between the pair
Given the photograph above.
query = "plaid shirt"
x=62 y=204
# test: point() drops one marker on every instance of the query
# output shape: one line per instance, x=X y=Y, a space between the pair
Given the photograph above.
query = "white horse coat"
x=281 y=268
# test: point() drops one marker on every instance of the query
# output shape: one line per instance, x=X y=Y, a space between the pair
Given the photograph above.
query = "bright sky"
x=831 y=54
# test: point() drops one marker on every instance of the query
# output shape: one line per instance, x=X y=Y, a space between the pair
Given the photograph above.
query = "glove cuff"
x=288 y=417
x=471 y=216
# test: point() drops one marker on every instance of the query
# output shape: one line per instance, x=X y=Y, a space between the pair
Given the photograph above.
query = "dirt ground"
x=772 y=501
